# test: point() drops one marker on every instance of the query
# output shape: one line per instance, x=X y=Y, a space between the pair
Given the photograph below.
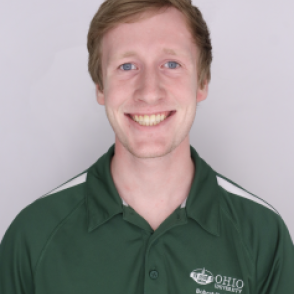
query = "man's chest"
x=121 y=257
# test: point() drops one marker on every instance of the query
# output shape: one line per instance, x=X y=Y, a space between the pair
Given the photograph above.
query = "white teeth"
x=147 y=120
x=152 y=120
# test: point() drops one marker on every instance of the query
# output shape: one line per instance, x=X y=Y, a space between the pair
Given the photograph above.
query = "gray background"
x=52 y=127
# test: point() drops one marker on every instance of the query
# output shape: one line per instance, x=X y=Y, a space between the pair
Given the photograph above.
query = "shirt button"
x=153 y=275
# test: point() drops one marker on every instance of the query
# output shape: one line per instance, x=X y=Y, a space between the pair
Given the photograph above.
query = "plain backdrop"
x=52 y=128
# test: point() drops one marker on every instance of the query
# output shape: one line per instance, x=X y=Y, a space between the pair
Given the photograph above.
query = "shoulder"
x=55 y=205
x=236 y=200
x=33 y=226
x=246 y=210
x=259 y=225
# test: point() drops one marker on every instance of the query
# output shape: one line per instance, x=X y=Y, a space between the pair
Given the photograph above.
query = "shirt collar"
x=104 y=202
x=203 y=200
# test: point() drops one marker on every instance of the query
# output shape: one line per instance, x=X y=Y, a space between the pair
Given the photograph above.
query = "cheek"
x=114 y=98
x=186 y=97
x=118 y=87
x=187 y=90
x=114 y=105
x=178 y=86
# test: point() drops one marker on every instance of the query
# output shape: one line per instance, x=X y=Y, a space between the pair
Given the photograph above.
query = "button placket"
x=153 y=281
x=153 y=274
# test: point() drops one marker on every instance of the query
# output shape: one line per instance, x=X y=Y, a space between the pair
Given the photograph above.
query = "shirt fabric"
x=82 y=238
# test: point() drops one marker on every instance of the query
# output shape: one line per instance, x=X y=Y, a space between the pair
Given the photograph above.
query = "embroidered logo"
x=205 y=277
x=202 y=276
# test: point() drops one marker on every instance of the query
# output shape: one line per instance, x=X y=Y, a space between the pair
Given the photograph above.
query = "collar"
x=103 y=201
x=203 y=200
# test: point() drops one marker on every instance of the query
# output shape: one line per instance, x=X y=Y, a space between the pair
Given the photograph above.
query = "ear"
x=99 y=95
x=202 y=92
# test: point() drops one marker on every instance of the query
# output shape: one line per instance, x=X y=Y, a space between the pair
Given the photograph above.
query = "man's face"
x=150 y=68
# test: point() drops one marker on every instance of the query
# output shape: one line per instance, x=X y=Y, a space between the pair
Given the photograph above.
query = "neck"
x=154 y=183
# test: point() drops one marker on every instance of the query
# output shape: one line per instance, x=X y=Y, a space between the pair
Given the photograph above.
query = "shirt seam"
x=50 y=192
x=238 y=186
x=240 y=237
x=52 y=235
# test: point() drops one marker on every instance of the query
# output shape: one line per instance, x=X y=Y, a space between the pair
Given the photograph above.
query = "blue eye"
x=126 y=66
x=173 y=64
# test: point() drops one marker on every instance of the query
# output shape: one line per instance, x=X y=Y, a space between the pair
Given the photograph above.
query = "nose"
x=149 y=87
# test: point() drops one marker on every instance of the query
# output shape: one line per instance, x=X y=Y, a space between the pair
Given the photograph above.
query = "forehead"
x=163 y=32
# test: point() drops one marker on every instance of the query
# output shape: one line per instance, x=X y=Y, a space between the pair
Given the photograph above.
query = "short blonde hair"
x=114 y=12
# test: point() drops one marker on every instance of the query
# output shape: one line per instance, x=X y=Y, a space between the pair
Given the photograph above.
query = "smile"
x=150 y=120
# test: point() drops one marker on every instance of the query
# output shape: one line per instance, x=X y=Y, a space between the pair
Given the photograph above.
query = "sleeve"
x=16 y=275
x=275 y=262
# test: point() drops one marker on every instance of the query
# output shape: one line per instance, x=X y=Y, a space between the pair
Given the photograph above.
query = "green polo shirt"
x=82 y=238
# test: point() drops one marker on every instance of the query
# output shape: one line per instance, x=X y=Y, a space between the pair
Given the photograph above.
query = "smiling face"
x=149 y=72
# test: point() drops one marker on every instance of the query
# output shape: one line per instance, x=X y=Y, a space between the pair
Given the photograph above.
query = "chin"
x=149 y=150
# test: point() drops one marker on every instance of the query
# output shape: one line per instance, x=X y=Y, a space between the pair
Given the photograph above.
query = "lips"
x=165 y=113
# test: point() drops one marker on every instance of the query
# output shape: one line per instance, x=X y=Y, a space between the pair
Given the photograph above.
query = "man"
x=150 y=216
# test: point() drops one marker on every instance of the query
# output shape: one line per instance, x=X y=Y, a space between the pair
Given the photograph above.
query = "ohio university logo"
x=204 y=277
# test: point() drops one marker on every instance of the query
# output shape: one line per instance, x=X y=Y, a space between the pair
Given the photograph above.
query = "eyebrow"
x=132 y=53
